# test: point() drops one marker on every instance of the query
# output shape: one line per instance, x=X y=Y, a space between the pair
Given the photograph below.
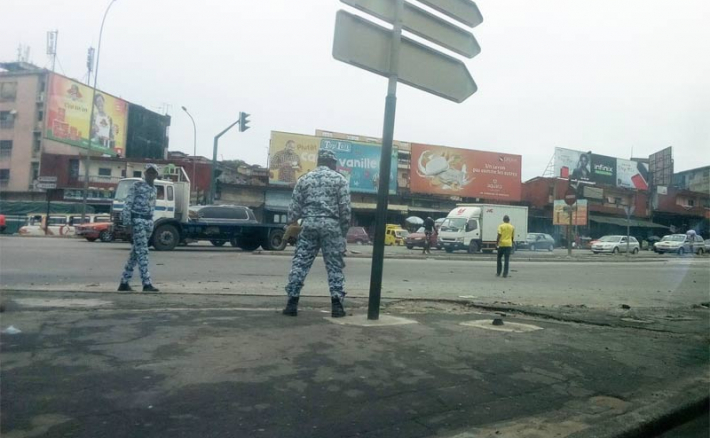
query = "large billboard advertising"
x=68 y=112
x=580 y=213
x=359 y=163
x=449 y=171
x=600 y=169
x=291 y=156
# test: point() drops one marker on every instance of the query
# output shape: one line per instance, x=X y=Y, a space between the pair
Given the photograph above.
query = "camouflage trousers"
x=318 y=234
x=142 y=229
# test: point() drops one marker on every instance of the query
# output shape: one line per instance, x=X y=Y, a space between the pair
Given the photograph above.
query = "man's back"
x=506 y=231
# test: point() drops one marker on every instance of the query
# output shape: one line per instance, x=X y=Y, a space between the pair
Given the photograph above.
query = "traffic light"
x=243 y=122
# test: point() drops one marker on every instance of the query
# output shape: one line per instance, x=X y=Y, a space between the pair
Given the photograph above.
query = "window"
x=7 y=120
x=691 y=203
x=161 y=193
x=73 y=169
x=8 y=91
x=471 y=226
x=35 y=172
x=40 y=115
x=36 y=143
x=5 y=148
x=104 y=172
x=171 y=195
x=4 y=176
x=137 y=174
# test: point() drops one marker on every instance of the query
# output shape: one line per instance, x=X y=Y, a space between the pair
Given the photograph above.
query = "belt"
x=148 y=217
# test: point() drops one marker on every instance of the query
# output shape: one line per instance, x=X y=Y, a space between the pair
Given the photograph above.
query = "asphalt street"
x=550 y=280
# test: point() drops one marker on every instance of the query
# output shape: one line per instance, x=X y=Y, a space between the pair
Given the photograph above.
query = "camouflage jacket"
x=140 y=200
x=321 y=193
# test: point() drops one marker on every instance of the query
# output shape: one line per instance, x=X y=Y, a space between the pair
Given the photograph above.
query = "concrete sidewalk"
x=127 y=365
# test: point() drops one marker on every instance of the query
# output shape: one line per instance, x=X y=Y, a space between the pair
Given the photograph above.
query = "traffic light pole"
x=213 y=179
x=378 y=254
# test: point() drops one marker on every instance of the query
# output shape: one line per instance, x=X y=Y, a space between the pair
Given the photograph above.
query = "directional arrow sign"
x=366 y=45
x=464 y=11
x=47 y=179
x=422 y=23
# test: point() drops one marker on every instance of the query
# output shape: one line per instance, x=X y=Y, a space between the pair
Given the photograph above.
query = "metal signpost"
x=570 y=200
x=629 y=211
x=386 y=52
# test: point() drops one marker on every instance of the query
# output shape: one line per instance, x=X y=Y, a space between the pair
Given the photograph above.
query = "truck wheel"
x=472 y=247
x=276 y=240
x=218 y=242
x=410 y=246
x=106 y=236
x=165 y=238
x=248 y=244
x=91 y=239
x=449 y=249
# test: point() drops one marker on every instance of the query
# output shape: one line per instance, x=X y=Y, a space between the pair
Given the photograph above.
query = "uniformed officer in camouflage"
x=137 y=216
x=322 y=199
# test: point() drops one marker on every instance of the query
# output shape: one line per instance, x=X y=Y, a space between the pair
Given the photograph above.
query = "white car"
x=615 y=245
x=679 y=243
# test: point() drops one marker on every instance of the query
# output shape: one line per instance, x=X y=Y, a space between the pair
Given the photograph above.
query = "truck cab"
x=461 y=230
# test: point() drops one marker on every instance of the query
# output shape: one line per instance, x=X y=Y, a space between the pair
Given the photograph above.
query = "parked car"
x=616 y=244
x=680 y=244
x=222 y=214
x=537 y=241
x=357 y=235
x=101 y=228
x=417 y=238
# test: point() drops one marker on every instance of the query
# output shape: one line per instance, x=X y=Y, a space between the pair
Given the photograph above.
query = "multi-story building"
x=45 y=130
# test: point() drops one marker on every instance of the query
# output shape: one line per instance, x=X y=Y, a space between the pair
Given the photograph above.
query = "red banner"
x=467 y=173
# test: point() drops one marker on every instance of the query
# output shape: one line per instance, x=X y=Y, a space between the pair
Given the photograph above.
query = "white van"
x=474 y=227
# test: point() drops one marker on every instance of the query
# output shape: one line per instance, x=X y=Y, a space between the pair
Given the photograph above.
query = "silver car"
x=680 y=244
x=616 y=244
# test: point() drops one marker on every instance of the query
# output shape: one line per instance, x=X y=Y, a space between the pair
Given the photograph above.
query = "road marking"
x=62 y=302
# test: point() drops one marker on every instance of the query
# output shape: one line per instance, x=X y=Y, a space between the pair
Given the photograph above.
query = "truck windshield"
x=453 y=224
x=122 y=189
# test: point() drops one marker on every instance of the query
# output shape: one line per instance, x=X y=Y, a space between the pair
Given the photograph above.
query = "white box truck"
x=474 y=227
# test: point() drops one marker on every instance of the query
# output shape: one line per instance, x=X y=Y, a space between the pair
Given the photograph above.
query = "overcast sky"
x=609 y=76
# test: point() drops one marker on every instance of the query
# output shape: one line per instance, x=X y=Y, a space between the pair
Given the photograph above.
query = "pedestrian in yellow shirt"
x=505 y=245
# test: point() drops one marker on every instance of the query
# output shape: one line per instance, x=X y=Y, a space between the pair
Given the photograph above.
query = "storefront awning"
x=622 y=222
x=430 y=210
x=372 y=207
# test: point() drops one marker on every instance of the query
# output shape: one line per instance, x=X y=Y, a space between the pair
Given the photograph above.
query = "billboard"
x=600 y=169
x=291 y=156
x=359 y=163
x=661 y=167
x=147 y=134
x=631 y=174
x=449 y=171
x=580 y=213
x=68 y=112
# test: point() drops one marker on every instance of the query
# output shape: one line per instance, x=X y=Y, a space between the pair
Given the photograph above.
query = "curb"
x=655 y=418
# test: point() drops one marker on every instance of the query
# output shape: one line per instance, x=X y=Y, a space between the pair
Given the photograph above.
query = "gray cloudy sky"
x=602 y=75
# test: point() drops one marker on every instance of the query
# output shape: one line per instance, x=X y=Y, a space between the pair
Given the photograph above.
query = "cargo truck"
x=474 y=227
x=174 y=226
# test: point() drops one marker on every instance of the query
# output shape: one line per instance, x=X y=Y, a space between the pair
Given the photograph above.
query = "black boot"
x=291 y=307
x=124 y=287
x=337 y=308
x=150 y=288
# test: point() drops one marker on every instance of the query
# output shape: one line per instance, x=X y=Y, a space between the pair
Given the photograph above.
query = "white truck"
x=474 y=227
x=174 y=225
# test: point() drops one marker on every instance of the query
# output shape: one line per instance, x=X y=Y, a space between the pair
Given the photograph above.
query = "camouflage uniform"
x=138 y=213
x=322 y=199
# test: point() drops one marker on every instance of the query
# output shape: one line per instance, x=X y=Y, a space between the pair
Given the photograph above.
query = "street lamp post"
x=194 y=153
x=91 y=117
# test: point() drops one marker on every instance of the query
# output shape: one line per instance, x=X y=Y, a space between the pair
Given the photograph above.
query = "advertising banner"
x=574 y=164
x=603 y=170
x=580 y=213
x=68 y=112
x=291 y=156
x=631 y=174
x=466 y=173
x=359 y=163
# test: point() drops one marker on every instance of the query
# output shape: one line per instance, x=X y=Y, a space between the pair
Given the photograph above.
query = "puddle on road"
x=510 y=327
x=62 y=302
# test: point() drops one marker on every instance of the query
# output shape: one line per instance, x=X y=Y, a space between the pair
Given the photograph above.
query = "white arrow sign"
x=366 y=45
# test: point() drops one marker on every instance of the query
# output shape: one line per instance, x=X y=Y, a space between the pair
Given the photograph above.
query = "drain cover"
x=511 y=327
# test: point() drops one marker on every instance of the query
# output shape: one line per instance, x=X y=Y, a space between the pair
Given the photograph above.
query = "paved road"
x=68 y=264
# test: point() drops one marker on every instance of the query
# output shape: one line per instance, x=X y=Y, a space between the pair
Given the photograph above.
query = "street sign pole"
x=46 y=219
x=378 y=255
